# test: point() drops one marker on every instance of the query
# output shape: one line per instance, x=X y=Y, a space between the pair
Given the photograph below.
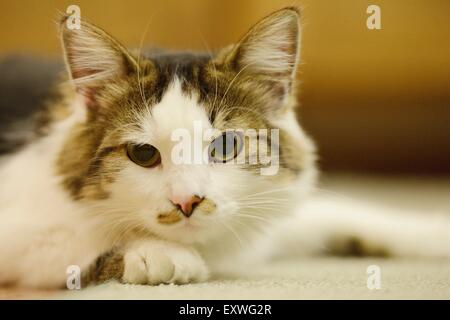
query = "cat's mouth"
x=170 y=217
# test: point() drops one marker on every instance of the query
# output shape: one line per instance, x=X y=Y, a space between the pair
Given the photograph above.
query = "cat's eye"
x=226 y=147
x=144 y=155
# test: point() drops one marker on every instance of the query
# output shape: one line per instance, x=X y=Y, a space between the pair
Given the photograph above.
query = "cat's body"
x=71 y=196
x=44 y=230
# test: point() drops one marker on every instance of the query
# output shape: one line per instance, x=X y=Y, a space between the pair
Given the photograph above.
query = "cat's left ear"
x=93 y=58
x=270 y=48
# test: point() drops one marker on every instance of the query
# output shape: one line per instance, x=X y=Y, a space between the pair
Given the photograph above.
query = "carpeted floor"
x=306 y=278
x=313 y=277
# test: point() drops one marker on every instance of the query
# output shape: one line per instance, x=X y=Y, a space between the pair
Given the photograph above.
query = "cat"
x=97 y=186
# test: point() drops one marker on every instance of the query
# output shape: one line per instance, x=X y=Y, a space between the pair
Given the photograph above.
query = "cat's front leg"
x=149 y=262
x=155 y=261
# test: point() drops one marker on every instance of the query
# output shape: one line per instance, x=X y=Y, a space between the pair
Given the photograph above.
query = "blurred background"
x=374 y=100
x=377 y=102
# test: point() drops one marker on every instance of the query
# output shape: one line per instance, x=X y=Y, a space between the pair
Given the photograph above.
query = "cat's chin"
x=188 y=236
x=186 y=232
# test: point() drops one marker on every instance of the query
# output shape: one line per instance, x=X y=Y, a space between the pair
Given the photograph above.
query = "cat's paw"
x=156 y=262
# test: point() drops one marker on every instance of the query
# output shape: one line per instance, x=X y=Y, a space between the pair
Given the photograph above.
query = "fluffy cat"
x=97 y=186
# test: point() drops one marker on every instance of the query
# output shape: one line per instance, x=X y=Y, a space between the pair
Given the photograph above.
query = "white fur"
x=42 y=231
x=156 y=261
x=402 y=233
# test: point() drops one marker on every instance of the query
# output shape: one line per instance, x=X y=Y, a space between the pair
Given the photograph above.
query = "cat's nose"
x=186 y=205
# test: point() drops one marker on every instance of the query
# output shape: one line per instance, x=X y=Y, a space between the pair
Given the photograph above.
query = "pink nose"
x=186 y=205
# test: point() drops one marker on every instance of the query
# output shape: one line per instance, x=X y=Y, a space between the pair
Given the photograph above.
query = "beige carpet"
x=314 y=277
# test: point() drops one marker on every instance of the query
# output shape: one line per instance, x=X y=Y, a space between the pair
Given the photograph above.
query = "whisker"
x=208 y=50
x=267 y=192
x=231 y=83
x=333 y=193
x=232 y=231
x=141 y=44
x=246 y=215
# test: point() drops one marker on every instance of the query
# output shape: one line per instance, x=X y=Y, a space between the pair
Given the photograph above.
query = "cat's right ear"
x=93 y=58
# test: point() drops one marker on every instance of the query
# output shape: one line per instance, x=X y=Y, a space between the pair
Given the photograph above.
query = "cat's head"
x=150 y=152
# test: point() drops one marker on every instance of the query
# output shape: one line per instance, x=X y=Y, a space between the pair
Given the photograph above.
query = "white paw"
x=156 y=262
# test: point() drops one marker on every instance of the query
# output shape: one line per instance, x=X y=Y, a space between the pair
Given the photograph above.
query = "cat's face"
x=150 y=153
